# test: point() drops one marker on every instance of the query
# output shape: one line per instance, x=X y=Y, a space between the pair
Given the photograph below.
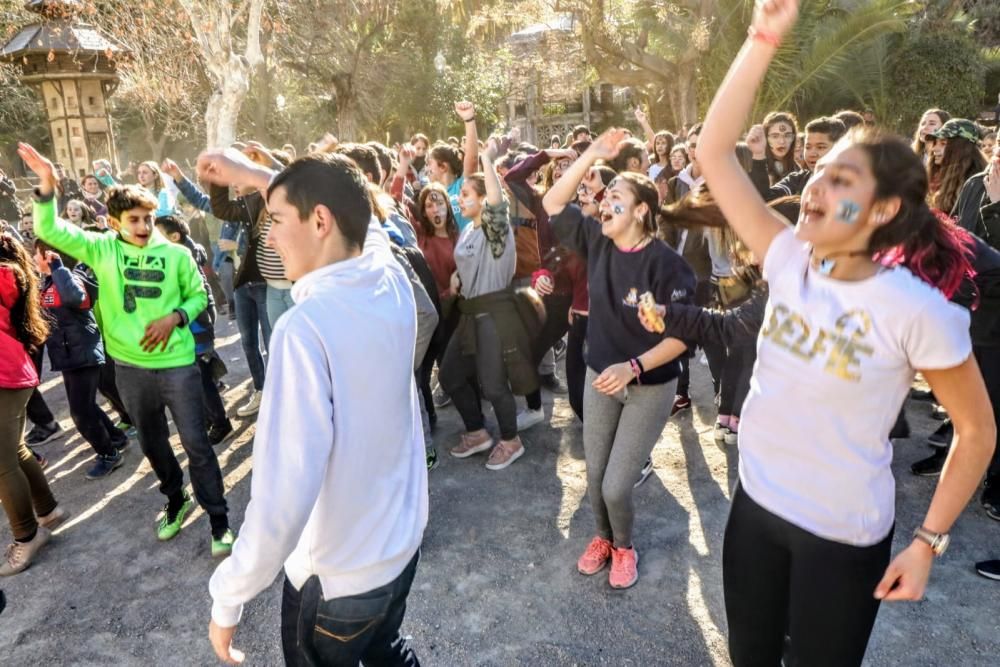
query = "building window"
x=71 y=101
x=92 y=101
x=62 y=152
x=59 y=132
x=78 y=151
x=75 y=131
x=55 y=102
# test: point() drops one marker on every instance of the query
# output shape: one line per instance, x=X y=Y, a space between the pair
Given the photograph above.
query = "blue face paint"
x=826 y=266
x=617 y=209
x=848 y=212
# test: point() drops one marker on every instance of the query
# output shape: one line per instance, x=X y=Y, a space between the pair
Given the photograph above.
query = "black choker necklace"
x=827 y=264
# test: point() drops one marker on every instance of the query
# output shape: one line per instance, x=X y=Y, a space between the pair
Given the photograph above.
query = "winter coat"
x=74 y=339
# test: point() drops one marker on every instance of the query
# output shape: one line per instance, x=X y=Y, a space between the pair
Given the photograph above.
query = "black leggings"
x=736 y=378
x=781 y=580
x=576 y=366
x=555 y=327
x=460 y=372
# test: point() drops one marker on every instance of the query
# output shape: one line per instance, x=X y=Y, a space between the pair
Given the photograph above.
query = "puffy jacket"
x=16 y=369
x=74 y=339
x=975 y=213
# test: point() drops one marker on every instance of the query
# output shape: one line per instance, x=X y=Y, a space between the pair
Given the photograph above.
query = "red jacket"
x=16 y=369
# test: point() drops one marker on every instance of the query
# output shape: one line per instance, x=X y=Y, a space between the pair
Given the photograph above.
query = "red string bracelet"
x=764 y=36
x=635 y=370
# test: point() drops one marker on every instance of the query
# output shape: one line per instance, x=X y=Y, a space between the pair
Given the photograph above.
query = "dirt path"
x=497 y=583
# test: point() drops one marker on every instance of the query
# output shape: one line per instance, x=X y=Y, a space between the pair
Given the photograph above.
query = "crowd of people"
x=818 y=267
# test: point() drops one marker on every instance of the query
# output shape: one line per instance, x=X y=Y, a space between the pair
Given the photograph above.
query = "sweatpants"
x=618 y=436
x=779 y=580
x=24 y=492
x=109 y=389
x=95 y=426
x=460 y=372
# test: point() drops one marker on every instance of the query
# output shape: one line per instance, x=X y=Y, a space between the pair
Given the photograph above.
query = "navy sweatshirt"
x=616 y=280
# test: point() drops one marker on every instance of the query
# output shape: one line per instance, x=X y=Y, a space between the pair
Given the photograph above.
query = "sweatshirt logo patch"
x=632 y=299
x=138 y=270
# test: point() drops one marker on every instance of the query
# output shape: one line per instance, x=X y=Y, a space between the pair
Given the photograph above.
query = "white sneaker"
x=251 y=406
x=528 y=418
x=721 y=432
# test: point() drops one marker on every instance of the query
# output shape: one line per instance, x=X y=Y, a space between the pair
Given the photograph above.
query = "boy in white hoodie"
x=339 y=490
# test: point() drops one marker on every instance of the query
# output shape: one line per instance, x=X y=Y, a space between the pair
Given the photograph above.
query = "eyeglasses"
x=778 y=136
x=582 y=189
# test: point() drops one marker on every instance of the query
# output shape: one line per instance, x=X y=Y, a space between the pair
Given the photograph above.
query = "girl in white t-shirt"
x=807 y=546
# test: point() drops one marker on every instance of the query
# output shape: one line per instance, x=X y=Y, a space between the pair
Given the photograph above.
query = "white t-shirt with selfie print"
x=835 y=360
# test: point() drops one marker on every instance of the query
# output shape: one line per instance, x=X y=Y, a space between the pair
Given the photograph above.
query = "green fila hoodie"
x=136 y=287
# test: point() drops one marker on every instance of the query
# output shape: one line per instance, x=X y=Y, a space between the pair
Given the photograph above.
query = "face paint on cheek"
x=617 y=209
x=469 y=203
x=848 y=212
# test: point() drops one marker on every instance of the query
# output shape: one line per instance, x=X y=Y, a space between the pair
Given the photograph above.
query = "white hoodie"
x=339 y=484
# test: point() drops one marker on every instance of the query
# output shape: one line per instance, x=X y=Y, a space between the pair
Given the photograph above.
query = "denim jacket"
x=231 y=231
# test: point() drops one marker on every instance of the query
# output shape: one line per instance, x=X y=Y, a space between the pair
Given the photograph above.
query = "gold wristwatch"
x=938 y=541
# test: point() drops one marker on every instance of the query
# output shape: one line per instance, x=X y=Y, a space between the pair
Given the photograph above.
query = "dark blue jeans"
x=251 y=312
x=148 y=394
x=347 y=631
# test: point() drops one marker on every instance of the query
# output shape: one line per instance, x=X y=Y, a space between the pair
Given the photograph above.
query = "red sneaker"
x=596 y=556
x=624 y=568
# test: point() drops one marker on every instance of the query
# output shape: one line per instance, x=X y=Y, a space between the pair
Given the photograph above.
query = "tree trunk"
x=232 y=84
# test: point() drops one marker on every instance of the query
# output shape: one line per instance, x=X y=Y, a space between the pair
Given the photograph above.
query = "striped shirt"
x=268 y=261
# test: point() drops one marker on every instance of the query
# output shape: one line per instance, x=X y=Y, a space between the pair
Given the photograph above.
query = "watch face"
x=942 y=545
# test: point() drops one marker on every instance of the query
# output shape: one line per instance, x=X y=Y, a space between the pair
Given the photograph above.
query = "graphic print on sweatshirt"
x=139 y=272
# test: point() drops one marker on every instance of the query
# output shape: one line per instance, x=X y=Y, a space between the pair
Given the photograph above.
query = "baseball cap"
x=958 y=127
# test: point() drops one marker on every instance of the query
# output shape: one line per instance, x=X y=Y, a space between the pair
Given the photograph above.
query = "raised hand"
x=607 y=145
x=231 y=167
x=465 y=110
x=170 y=168
x=757 y=142
x=774 y=18
x=41 y=166
x=640 y=116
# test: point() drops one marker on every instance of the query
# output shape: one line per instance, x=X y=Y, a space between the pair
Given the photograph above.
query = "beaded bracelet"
x=635 y=370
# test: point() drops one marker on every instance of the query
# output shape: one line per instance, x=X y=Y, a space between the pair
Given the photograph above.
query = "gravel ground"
x=497 y=583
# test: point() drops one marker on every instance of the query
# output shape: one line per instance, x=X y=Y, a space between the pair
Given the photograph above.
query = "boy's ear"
x=114 y=223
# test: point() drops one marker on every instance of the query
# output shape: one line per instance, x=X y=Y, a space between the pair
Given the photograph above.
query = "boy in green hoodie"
x=149 y=290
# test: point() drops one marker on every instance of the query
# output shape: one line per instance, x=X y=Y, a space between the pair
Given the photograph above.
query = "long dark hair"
x=426 y=225
x=780 y=167
x=962 y=159
x=645 y=192
x=26 y=315
x=88 y=217
x=929 y=244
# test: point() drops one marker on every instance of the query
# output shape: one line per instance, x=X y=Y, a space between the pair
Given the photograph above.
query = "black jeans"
x=148 y=393
x=38 y=411
x=780 y=580
x=90 y=420
x=215 y=409
x=346 y=631
x=459 y=373
x=576 y=365
x=109 y=389
x=735 y=380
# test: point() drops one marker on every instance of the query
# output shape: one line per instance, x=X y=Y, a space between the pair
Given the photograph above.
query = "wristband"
x=635 y=369
x=471 y=120
x=183 y=315
x=641 y=367
x=764 y=36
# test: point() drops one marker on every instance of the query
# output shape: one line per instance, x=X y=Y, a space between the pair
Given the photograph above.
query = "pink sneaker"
x=596 y=556
x=472 y=443
x=733 y=437
x=505 y=453
x=624 y=568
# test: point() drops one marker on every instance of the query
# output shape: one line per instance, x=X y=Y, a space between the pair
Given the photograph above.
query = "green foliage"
x=940 y=68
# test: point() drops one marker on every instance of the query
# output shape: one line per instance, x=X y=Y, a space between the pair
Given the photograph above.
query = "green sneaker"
x=432 y=459
x=224 y=545
x=167 y=529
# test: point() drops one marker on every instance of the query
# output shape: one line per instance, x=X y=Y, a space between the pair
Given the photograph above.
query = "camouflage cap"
x=958 y=127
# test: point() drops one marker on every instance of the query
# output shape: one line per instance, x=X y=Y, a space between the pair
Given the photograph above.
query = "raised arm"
x=494 y=192
x=563 y=191
x=640 y=117
x=741 y=204
x=467 y=112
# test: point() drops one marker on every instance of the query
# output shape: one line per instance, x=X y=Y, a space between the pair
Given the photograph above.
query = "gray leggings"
x=617 y=438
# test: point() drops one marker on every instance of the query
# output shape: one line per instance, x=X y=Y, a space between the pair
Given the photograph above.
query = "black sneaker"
x=217 y=434
x=939 y=413
x=681 y=402
x=931 y=466
x=989 y=569
x=105 y=465
x=943 y=436
x=901 y=429
x=42 y=433
x=647 y=470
